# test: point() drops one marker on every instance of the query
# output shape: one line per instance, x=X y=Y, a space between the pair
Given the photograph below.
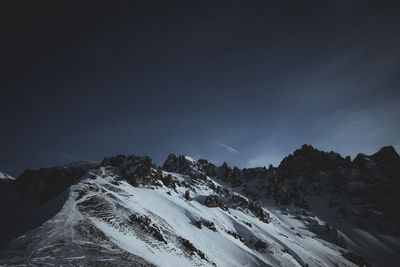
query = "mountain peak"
x=386 y=151
x=307 y=147
x=307 y=160
x=181 y=164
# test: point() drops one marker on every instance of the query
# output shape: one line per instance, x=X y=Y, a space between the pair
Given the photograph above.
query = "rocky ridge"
x=359 y=194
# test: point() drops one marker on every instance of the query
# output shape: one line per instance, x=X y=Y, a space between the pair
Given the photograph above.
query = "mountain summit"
x=315 y=209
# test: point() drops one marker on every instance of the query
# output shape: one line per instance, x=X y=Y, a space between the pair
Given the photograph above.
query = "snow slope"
x=103 y=206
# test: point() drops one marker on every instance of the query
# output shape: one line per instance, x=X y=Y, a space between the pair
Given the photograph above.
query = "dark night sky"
x=242 y=81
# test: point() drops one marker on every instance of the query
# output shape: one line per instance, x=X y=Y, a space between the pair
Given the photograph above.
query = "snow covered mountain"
x=314 y=209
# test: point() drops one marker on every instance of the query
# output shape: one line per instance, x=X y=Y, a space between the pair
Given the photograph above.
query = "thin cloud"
x=229 y=148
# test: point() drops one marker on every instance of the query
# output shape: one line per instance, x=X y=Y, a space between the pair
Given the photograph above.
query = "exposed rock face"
x=187 y=195
x=21 y=200
x=181 y=164
x=261 y=245
x=191 y=249
x=381 y=176
x=136 y=170
x=383 y=164
x=389 y=161
x=371 y=183
x=259 y=213
x=308 y=161
x=212 y=202
x=145 y=224
x=208 y=224
x=46 y=183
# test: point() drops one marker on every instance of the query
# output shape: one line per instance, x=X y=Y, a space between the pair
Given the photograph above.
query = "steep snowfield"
x=95 y=225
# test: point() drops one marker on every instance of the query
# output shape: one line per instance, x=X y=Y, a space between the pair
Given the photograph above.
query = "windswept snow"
x=6 y=176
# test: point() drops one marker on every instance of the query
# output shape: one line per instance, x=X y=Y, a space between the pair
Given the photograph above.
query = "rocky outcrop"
x=388 y=161
x=136 y=170
x=44 y=184
x=308 y=161
x=181 y=164
x=212 y=202
x=35 y=192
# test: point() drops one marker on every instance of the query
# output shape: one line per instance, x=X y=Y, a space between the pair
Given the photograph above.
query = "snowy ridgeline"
x=6 y=176
x=126 y=211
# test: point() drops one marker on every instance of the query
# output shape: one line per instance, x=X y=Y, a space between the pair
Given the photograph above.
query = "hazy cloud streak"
x=229 y=148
